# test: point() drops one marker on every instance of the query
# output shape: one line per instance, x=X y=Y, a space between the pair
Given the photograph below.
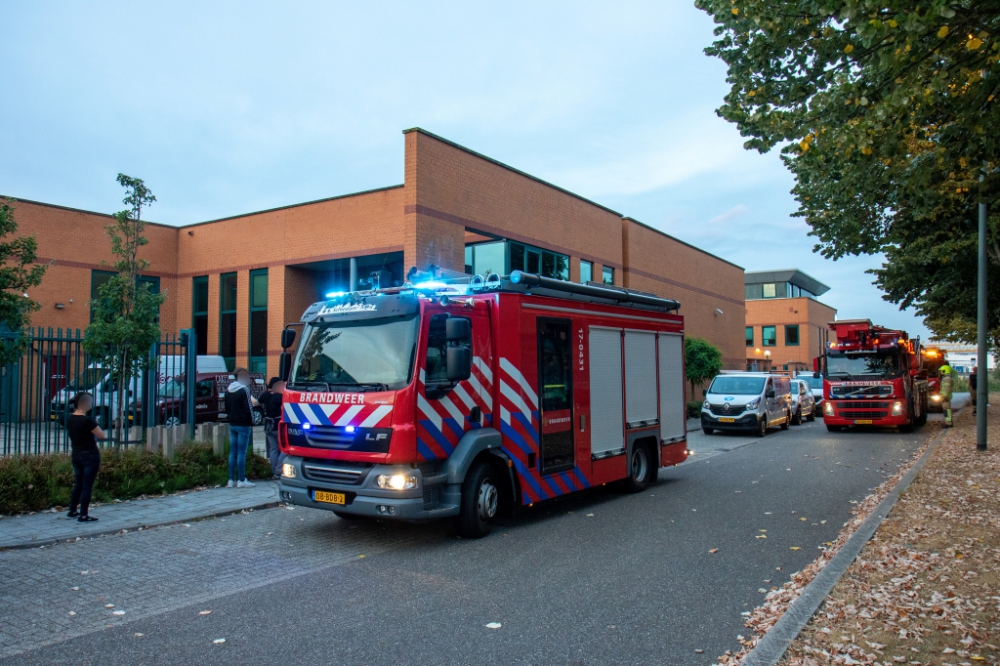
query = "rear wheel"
x=833 y=428
x=639 y=469
x=707 y=431
x=797 y=419
x=172 y=421
x=480 y=500
x=762 y=427
x=784 y=424
x=812 y=415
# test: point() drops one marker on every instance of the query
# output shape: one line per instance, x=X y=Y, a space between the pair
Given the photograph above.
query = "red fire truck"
x=873 y=376
x=443 y=400
x=933 y=358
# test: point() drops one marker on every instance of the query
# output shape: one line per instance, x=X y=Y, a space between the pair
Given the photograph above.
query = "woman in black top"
x=83 y=435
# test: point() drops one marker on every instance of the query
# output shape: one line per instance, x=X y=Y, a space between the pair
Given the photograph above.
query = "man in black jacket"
x=271 y=400
x=239 y=412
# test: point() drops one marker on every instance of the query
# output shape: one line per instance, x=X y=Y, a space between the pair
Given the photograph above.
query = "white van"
x=94 y=380
x=747 y=401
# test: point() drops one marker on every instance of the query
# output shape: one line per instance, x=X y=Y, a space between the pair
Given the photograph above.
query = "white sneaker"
x=245 y=484
x=231 y=484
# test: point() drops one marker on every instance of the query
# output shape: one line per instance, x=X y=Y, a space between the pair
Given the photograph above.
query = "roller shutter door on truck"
x=606 y=413
x=640 y=378
x=673 y=411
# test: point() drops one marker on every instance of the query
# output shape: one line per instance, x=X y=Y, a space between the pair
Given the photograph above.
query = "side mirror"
x=287 y=337
x=704 y=393
x=457 y=329
x=285 y=362
x=459 y=361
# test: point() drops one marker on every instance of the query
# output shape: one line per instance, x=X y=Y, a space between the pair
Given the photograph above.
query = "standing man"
x=239 y=412
x=973 y=385
x=271 y=401
x=946 y=394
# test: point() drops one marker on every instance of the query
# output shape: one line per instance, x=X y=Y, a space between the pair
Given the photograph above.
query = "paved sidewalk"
x=46 y=528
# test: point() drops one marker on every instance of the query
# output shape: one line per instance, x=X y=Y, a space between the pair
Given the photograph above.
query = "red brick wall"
x=811 y=316
x=702 y=283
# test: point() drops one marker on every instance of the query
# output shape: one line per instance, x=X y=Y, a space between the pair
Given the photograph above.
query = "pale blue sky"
x=225 y=108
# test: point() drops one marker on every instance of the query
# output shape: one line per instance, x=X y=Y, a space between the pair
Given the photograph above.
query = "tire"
x=258 y=417
x=797 y=419
x=785 y=423
x=762 y=427
x=707 y=431
x=812 y=415
x=640 y=469
x=833 y=428
x=172 y=421
x=480 y=501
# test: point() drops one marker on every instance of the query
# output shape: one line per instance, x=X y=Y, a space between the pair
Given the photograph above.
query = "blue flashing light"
x=430 y=284
x=307 y=426
x=515 y=276
x=349 y=429
x=336 y=294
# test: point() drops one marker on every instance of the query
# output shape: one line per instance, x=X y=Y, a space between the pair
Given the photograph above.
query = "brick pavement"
x=46 y=528
x=143 y=574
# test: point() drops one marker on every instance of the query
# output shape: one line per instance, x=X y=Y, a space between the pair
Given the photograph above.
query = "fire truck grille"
x=863 y=404
x=343 y=473
x=859 y=414
x=726 y=409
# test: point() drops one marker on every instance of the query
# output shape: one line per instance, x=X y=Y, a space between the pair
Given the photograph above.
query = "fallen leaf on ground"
x=493 y=625
x=219 y=641
x=714 y=550
x=795 y=548
x=117 y=612
x=205 y=612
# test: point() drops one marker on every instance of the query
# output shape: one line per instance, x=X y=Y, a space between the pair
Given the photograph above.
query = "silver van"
x=747 y=401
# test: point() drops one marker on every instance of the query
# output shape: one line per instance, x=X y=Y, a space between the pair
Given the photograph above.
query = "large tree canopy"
x=887 y=114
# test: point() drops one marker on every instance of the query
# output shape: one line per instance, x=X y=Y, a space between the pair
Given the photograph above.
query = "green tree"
x=18 y=274
x=886 y=114
x=702 y=360
x=126 y=313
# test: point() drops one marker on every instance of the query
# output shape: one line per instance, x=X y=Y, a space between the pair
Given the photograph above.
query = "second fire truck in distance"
x=872 y=376
x=933 y=358
x=442 y=400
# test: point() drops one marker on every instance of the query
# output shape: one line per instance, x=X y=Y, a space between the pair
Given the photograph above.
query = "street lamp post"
x=983 y=388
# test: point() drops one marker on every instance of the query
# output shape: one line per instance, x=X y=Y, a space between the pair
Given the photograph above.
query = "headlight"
x=936 y=397
x=753 y=404
x=706 y=405
x=828 y=408
x=897 y=408
x=288 y=471
x=396 y=481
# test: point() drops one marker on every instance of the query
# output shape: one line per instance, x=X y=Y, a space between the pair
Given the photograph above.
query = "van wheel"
x=172 y=421
x=762 y=427
x=797 y=419
x=833 y=428
x=258 y=417
x=480 y=500
x=708 y=431
x=638 y=469
x=812 y=415
x=785 y=423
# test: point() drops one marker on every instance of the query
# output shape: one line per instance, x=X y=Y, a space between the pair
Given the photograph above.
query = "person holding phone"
x=86 y=457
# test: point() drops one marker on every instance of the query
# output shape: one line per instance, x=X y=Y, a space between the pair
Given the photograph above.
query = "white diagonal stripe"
x=483 y=393
x=464 y=397
x=428 y=411
x=290 y=415
x=376 y=416
x=504 y=415
x=516 y=375
x=329 y=410
x=454 y=411
x=423 y=376
x=346 y=417
x=483 y=368
x=515 y=398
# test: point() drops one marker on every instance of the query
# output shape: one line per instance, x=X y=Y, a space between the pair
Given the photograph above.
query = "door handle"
x=583 y=422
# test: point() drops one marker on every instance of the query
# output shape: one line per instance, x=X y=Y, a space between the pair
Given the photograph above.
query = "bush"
x=35 y=483
x=694 y=408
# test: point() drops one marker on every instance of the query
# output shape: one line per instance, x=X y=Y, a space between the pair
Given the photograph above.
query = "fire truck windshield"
x=366 y=354
x=884 y=365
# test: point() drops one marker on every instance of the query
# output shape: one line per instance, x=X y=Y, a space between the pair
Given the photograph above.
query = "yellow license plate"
x=727 y=419
x=863 y=422
x=330 y=498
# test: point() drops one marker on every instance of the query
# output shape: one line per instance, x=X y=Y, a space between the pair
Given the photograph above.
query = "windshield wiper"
x=293 y=384
x=378 y=386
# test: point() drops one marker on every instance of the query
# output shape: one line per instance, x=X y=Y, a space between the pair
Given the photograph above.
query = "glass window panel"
x=586 y=271
x=517 y=252
x=227 y=292
x=227 y=335
x=769 y=290
x=490 y=258
x=258 y=289
x=792 y=335
x=769 y=336
x=608 y=275
x=258 y=333
x=749 y=336
x=200 y=298
x=532 y=261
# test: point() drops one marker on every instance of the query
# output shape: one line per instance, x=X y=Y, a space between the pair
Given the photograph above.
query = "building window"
x=753 y=292
x=792 y=335
x=536 y=260
x=749 y=336
x=199 y=313
x=227 y=318
x=258 y=321
x=769 y=336
x=586 y=271
x=97 y=280
x=608 y=275
x=485 y=258
x=769 y=290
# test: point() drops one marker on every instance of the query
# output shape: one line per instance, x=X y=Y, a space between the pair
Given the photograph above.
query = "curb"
x=772 y=645
x=146 y=526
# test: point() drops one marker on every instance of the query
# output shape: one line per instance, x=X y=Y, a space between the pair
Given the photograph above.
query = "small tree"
x=18 y=273
x=126 y=313
x=703 y=361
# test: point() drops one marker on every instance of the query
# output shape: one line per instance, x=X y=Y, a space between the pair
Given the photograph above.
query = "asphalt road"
x=598 y=578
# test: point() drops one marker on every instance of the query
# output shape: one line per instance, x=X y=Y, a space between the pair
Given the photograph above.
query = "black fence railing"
x=36 y=392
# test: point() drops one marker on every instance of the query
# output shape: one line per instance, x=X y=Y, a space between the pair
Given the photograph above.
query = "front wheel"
x=797 y=419
x=172 y=421
x=762 y=427
x=639 y=470
x=480 y=500
x=258 y=417
x=708 y=431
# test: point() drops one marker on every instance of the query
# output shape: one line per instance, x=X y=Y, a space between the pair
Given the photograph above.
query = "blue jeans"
x=239 y=439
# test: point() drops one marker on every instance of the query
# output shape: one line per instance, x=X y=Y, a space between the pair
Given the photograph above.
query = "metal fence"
x=37 y=391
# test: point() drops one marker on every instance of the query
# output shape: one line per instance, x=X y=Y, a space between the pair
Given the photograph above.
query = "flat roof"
x=793 y=275
x=77 y=210
x=508 y=167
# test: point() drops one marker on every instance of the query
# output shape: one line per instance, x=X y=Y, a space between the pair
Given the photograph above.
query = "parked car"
x=815 y=384
x=748 y=401
x=803 y=402
x=209 y=399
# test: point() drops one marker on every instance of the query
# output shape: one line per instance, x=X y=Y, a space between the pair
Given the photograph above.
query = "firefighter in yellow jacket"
x=946 y=380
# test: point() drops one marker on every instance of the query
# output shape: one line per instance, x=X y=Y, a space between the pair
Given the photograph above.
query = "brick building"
x=786 y=325
x=238 y=280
